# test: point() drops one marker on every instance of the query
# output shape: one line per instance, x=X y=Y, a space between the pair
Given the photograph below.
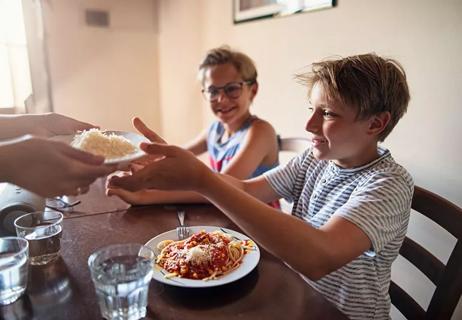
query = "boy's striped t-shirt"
x=375 y=197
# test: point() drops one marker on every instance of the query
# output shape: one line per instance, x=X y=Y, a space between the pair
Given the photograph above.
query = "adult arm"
x=47 y=124
x=49 y=168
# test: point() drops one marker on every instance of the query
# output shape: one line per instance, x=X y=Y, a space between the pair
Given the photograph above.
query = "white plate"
x=134 y=138
x=249 y=261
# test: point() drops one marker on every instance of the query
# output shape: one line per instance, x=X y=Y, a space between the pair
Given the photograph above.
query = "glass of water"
x=43 y=230
x=121 y=274
x=13 y=268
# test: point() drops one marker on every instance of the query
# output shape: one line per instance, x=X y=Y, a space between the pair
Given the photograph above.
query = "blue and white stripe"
x=376 y=198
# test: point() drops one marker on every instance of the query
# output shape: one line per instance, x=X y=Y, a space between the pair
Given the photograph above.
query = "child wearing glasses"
x=351 y=199
x=238 y=143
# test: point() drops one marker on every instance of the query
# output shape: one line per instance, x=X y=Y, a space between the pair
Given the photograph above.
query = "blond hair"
x=370 y=83
x=223 y=55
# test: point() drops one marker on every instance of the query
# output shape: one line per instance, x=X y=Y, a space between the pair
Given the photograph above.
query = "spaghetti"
x=204 y=255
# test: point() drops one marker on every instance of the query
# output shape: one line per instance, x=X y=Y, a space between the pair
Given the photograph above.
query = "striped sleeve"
x=283 y=178
x=380 y=207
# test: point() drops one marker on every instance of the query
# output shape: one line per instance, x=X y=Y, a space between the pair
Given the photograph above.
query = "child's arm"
x=259 y=143
x=259 y=147
x=151 y=196
x=313 y=252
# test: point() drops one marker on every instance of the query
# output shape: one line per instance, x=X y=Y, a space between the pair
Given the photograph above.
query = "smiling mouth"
x=317 y=142
x=224 y=111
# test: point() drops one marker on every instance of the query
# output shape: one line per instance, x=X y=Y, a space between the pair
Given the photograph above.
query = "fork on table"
x=182 y=231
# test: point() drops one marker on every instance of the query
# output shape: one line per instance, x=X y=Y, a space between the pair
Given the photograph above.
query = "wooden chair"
x=447 y=278
x=294 y=144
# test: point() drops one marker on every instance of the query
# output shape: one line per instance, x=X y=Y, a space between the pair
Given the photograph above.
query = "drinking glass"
x=121 y=274
x=13 y=268
x=43 y=230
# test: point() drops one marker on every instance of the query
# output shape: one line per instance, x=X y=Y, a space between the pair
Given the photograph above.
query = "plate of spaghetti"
x=211 y=256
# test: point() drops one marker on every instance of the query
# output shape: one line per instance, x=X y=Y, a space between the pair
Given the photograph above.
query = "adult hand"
x=51 y=124
x=175 y=169
x=49 y=168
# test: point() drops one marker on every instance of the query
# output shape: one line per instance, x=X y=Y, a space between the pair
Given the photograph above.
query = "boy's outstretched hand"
x=174 y=169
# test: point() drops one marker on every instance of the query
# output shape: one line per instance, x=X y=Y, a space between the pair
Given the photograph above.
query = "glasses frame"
x=222 y=88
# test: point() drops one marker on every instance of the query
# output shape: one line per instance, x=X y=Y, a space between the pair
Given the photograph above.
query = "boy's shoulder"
x=388 y=169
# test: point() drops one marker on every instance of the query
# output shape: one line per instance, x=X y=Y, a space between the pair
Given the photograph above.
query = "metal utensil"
x=182 y=231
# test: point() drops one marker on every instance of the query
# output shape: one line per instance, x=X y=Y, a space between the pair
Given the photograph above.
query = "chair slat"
x=449 y=289
x=447 y=278
x=422 y=259
x=404 y=303
x=440 y=210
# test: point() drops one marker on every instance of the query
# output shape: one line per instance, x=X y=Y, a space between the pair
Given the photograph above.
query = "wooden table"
x=63 y=289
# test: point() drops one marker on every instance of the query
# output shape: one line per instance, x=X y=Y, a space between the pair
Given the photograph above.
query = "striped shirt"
x=376 y=198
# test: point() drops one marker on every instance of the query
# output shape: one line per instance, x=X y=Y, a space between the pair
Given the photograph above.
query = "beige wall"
x=423 y=35
x=146 y=65
x=105 y=76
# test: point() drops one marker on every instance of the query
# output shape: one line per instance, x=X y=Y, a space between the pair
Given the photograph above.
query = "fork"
x=182 y=231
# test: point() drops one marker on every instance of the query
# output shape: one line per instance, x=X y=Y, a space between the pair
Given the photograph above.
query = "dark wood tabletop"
x=63 y=288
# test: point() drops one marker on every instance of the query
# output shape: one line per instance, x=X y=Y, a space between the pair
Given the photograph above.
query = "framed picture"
x=311 y=5
x=245 y=10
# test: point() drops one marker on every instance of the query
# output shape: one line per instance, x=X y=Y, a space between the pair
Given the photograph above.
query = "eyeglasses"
x=232 y=90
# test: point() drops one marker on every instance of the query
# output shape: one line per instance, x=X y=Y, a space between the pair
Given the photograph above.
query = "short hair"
x=223 y=55
x=370 y=83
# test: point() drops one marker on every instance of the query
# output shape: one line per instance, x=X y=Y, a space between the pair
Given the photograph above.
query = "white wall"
x=423 y=35
x=105 y=76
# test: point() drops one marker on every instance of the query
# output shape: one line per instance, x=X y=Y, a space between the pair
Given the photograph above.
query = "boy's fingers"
x=127 y=196
x=130 y=183
x=159 y=149
x=148 y=133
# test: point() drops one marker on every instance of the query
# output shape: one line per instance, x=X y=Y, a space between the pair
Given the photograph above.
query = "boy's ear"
x=379 y=122
x=254 y=90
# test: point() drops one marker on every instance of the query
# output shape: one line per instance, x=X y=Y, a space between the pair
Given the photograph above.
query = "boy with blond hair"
x=351 y=199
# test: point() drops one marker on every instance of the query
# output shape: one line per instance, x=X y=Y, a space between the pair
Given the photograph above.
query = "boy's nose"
x=221 y=95
x=313 y=124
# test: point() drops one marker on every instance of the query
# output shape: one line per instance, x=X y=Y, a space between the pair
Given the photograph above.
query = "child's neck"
x=365 y=156
x=233 y=127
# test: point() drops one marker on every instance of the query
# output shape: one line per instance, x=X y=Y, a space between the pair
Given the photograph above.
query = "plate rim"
x=191 y=283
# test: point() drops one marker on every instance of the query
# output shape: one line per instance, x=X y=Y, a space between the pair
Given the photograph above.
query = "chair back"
x=293 y=144
x=447 y=278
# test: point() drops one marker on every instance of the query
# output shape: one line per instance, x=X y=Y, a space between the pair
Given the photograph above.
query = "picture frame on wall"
x=311 y=5
x=246 y=10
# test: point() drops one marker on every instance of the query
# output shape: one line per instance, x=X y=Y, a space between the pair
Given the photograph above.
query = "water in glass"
x=13 y=269
x=121 y=283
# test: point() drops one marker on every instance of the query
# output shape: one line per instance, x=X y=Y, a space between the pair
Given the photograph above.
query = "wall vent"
x=97 y=18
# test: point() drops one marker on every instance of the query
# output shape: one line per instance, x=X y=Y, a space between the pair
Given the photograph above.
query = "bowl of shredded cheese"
x=117 y=147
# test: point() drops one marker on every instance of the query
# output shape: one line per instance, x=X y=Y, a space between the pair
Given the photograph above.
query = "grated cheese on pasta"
x=97 y=142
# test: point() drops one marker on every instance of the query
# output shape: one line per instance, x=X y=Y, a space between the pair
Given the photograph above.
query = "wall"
x=104 y=76
x=423 y=35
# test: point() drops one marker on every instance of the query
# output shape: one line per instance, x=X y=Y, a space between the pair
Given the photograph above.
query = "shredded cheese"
x=198 y=255
x=97 y=142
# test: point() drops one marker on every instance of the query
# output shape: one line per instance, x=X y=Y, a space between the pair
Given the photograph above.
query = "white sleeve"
x=283 y=178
